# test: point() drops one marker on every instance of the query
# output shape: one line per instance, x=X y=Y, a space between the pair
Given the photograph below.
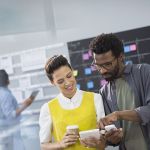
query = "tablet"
x=34 y=93
x=90 y=133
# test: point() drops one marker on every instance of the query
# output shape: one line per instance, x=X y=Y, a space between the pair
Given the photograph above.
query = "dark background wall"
x=136 y=48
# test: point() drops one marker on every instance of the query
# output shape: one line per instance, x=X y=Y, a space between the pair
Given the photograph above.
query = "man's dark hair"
x=106 y=42
x=4 y=79
x=55 y=63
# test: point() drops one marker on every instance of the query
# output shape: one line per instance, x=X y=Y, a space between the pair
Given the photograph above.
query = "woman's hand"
x=93 y=142
x=68 y=139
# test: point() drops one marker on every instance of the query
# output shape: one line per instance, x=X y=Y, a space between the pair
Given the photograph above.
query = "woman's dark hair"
x=55 y=63
x=106 y=42
x=4 y=79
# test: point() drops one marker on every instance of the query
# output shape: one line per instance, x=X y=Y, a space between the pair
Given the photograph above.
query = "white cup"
x=73 y=129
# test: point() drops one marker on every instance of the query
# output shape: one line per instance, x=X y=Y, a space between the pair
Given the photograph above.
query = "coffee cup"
x=73 y=129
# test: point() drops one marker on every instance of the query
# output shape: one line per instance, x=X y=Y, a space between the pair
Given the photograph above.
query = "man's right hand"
x=107 y=120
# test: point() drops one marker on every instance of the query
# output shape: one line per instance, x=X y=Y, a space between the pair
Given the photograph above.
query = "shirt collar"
x=75 y=98
x=128 y=68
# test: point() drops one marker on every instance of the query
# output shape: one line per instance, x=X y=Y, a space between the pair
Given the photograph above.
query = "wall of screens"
x=136 y=48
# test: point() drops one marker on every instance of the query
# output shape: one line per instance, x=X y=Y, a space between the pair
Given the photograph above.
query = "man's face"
x=107 y=65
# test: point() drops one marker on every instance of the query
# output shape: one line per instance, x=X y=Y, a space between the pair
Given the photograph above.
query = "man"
x=126 y=95
x=9 y=115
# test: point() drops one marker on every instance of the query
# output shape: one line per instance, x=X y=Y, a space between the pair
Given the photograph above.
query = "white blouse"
x=45 y=120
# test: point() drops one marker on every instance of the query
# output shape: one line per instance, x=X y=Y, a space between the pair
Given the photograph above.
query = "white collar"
x=75 y=100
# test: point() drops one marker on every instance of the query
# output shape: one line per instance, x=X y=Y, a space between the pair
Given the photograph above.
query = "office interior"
x=31 y=31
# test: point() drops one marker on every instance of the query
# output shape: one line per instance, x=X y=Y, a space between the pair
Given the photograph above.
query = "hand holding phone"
x=29 y=100
x=34 y=94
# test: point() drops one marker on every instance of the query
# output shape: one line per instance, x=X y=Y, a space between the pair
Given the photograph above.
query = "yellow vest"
x=84 y=116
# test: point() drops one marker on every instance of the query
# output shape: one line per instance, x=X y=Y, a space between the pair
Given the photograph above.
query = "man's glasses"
x=107 y=65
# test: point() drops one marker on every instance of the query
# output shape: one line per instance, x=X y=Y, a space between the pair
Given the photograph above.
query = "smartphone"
x=110 y=127
x=34 y=93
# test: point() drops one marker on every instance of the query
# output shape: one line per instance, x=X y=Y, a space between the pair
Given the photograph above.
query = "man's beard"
x=112 y=75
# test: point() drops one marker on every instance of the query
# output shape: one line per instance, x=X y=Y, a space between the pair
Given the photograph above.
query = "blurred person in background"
x=71 y=107
x=126 y=95
x=10 y=116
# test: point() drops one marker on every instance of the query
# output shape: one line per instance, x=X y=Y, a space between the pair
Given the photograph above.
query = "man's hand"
x=107 y=120
x=68 y=139
x=114 y=136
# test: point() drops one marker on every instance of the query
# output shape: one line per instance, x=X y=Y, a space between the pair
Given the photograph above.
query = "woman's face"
x=65 y=81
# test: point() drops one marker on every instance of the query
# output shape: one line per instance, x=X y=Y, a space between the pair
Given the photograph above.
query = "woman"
x=71 y=107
